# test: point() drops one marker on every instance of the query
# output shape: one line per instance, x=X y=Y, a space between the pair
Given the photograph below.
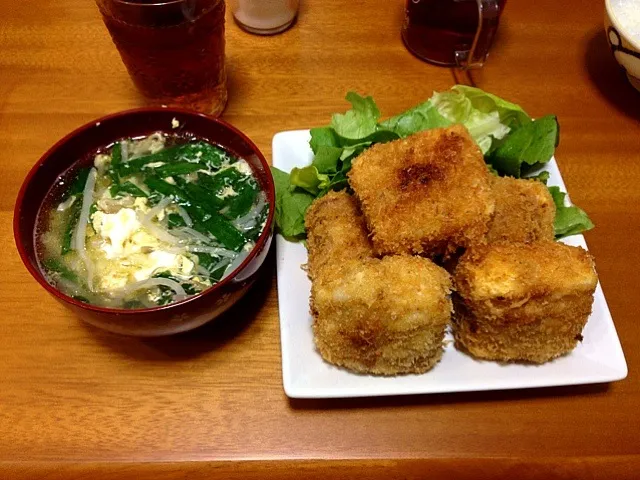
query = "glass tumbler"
x=452 y=33
x=173 y=50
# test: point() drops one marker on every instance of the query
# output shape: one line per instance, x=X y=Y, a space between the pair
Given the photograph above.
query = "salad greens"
x=291 y=204
x=359 y=122
x=422 y=117
x=512 y=142
x=569 y=219
x=528 y=147
x=487 y=117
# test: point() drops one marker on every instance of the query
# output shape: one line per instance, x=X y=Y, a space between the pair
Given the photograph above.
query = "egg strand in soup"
x=153 y=221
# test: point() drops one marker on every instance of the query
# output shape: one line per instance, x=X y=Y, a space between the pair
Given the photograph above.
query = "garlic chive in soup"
x=149 y=221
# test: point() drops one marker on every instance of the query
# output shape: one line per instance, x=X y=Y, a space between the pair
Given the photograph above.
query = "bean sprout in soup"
x=149 y=221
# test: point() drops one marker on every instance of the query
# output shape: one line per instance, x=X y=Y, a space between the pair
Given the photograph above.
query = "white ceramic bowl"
x=625 y=48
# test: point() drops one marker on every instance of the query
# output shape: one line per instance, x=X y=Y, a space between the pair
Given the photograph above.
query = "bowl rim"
x=614 y=20
x=39 y=277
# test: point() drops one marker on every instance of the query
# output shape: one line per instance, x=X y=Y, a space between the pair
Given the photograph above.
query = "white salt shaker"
x=264 y=17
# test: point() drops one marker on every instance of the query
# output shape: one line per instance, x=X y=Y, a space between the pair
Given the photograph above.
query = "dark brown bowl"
x=177 y=317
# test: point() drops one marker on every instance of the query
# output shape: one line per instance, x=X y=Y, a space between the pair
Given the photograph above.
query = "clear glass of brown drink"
x=173 y=49
x=452 y=33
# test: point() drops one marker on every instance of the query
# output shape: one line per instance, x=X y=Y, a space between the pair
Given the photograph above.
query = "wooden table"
x=79 y=403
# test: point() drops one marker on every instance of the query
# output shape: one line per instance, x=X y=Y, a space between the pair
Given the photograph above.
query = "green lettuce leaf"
x=323 y=137
x=531 y=145
x=309 y=179
x=570 y=220
x=541 y=177
x=326 y=158
x=511 y=115
x=452 y=105
x=291 y=205
x=422 y=117
x=360 y=121
x=349 y=133
x=484 y=127
x=353 y=151
x=337 y=182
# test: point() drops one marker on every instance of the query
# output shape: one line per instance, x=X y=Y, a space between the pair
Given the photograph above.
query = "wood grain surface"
x=79 y=403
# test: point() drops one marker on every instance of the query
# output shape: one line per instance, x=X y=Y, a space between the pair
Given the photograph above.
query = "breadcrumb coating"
x=427 y=194
x=382 y=316
x=336 y=232
x=524 y=211
x=522 y=302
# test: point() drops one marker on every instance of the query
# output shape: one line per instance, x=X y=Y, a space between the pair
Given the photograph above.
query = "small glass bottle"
x=264 y=17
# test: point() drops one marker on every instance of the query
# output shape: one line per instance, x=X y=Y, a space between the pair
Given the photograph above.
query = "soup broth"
x=149 y=221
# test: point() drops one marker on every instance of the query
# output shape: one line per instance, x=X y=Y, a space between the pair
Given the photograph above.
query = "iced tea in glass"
x=451 y=32
x=173 y=50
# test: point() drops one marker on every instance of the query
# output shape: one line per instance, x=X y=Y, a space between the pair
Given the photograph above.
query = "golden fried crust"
x=427 y=194
x=524 y=211
x=381 y=316
x=336 y=231
x=519 y=301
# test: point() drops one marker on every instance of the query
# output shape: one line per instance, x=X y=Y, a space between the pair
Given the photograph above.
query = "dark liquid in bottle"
x=435 y=29
x=174 y=52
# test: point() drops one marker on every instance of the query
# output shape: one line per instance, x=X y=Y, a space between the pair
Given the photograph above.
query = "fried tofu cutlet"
x=426 y=194
x=336 y=232
x=381 y=316
x=522 y=302
x=524 y=211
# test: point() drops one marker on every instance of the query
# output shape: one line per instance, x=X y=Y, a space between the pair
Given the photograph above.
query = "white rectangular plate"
x=598 y=358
